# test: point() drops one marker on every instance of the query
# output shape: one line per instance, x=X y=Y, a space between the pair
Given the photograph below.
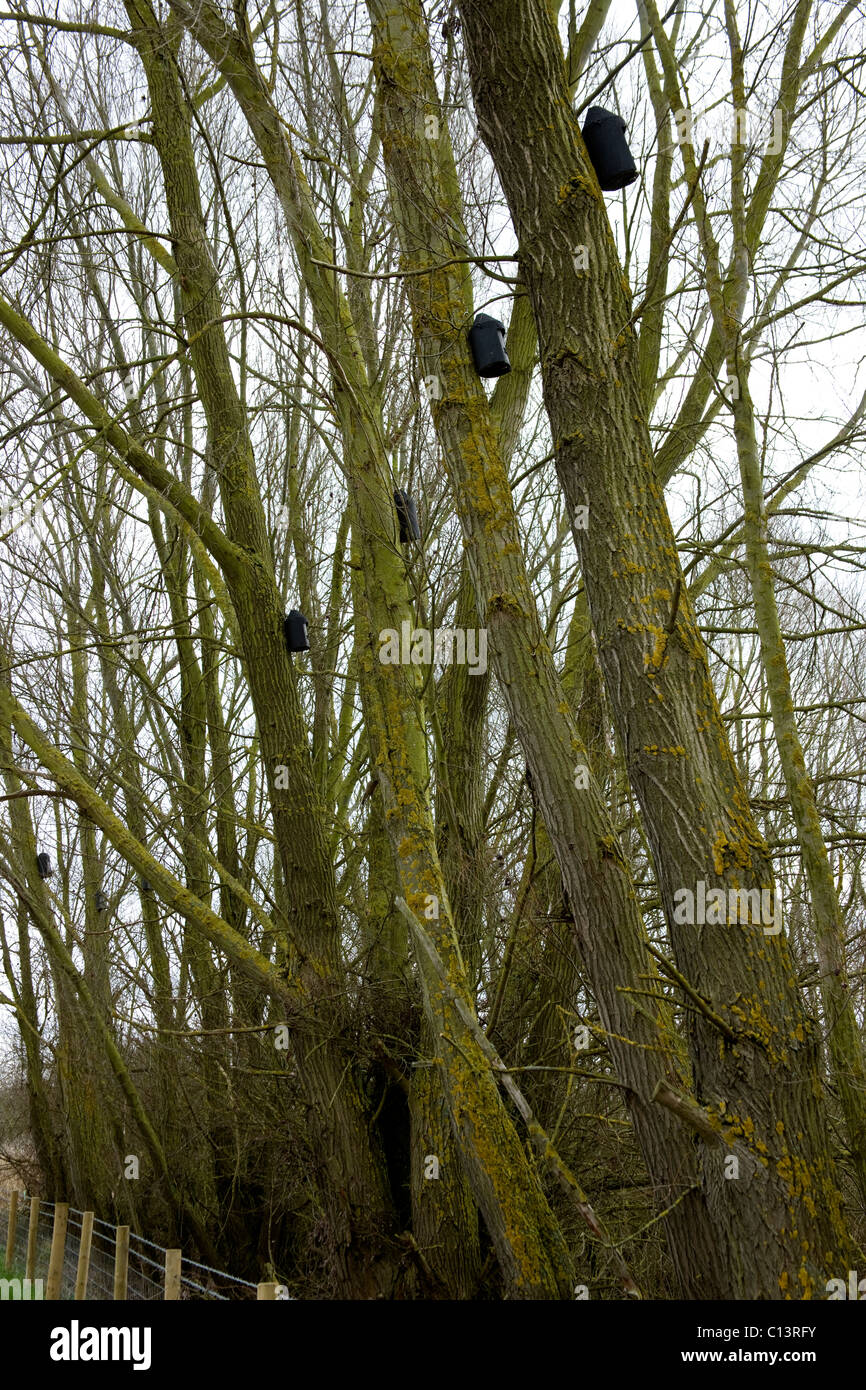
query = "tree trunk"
x=608 y=927
x=695 y=807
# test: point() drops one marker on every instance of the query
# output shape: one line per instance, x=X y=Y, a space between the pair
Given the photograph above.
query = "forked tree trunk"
x=608 y=928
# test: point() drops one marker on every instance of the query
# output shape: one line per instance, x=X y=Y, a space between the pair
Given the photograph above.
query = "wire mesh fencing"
x=76 y=1255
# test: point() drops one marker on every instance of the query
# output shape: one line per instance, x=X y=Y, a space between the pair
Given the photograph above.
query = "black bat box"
x=604 y=137
x=407 y=517
x=295 y=628
x=487 y=343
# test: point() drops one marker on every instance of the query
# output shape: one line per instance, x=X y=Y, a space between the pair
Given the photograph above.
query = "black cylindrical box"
x=145 y=885
x=604 y=137
x=100 y=900
x=295 y=628
x=43 y=865
x=487 y=342
x=407 y=517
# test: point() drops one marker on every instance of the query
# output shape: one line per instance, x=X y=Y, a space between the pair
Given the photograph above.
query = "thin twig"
x=697 y=999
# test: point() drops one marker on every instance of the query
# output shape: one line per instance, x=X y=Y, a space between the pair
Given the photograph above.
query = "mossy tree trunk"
x=608 y=927
x=696 y=810
x=528 y=1243
x=352 y=1169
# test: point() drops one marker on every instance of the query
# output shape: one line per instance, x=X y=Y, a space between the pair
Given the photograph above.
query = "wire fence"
x=149 y=1269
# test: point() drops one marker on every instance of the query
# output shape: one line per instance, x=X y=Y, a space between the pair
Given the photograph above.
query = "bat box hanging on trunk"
x=604 y=137
x=43 y=865
x=295 y=628
x=145 y=885
x=487 y=342
x=407 y=517
x=100 y=900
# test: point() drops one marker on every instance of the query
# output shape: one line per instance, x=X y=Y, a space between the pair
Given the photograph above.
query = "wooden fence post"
x=13 y=1222
x=32 y=1232
x=266 y=1291
x=172 y=1274
x=58 y=1247
x=84 y=1256
x=121 y=1264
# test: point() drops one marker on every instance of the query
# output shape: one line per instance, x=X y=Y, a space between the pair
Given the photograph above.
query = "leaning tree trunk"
x=527 y=1239
x=609 y=929
x=757 y=1076
x=353 y=1175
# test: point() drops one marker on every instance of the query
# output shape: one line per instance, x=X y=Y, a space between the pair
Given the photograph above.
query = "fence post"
x=266 y=1291
x=121 y=1264
x=58 y=1246
x=32 y=1232
x=84 y=1256
x=13 y=1222
x=172 y=1274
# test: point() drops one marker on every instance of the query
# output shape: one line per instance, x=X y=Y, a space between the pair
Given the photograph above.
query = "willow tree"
x=695 y=806
x=608 y=928
x=391 y=992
